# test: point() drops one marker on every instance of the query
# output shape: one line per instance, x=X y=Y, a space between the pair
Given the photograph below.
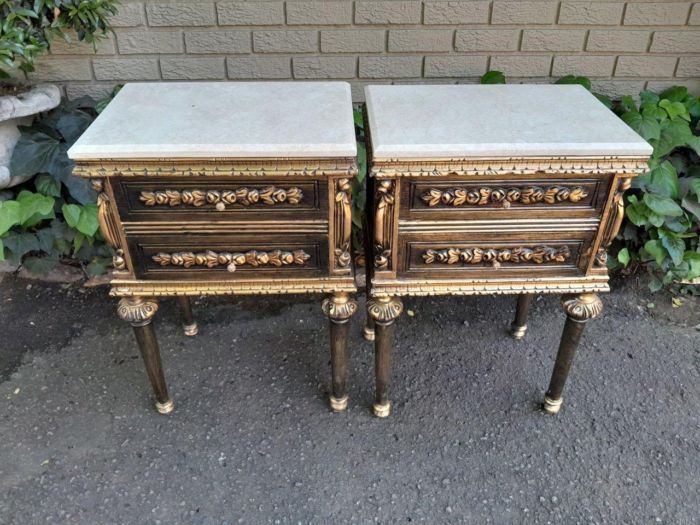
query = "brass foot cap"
x=368 y=333
x=339 y=404
x=165 y=408
x=381 y=410
x=518 y=332
x=552 y=406
x=191 y=329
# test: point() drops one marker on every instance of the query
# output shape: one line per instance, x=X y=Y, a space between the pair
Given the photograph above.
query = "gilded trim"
x=211 y=259
x=384 y=309
x=108 y=225
x=484 y=196
x=384 y=198
x=343 y=223
x=137 y=310
x=518 y=255
x=582 y=307
x=614 y=222
x=269 y=195
x=339 y=307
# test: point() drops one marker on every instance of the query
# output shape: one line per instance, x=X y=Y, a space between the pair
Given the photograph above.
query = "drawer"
x=493 y=254
x=209 y=199
x=228 y=256
x=445 y=199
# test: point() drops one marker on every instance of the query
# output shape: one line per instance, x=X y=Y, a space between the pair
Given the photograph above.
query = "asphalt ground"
x=252 y=439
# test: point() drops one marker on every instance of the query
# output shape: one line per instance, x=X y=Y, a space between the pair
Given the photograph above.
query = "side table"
x=493 y=190
x=225 y=188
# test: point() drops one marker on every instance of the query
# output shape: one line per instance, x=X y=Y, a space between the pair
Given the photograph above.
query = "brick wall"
x=623 y=46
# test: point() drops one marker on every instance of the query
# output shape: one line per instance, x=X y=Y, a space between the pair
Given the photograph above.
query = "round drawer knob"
x=220 y=206
x=231 y=267
x=506 y=204
x=496 y=264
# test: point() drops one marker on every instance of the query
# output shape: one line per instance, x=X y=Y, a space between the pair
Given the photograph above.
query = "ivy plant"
x=663 y=211
x=27 y=27
x=53 y=216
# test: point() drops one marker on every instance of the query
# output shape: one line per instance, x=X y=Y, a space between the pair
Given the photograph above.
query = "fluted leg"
x=384 y=311
x=139 y=312
x=339 y=308
x=579 y=310
x=519 y=326
x=189 y=325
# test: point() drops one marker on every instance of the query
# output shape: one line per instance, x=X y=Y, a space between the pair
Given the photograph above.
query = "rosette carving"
x=343 y=223
x=518 y=255
x=269 y=195
x=383 y=223
x=339 y=307
x=384 y=309
x=137 y=310
x=504 y=196
x=211 y=259
x=582 y=307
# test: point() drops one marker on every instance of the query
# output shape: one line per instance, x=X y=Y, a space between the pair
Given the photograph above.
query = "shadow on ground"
x=252 y=439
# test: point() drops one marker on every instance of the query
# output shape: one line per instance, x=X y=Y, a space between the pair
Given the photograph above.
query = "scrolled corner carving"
x=137 y=310
x=384 y=197
x=339 y=307
x=384 y=309
x=614 y=222
x=343 y=223
x=582 y=307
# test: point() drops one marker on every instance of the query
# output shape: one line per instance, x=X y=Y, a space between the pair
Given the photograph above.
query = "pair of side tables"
x=245 y=188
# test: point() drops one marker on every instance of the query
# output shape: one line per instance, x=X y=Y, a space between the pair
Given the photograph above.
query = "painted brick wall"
x=623 y=46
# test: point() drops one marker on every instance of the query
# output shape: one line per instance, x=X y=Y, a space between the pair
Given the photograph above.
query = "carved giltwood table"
x=225 y=188
x=493 y=190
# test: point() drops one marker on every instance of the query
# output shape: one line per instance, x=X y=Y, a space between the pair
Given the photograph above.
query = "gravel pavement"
x=253 y=441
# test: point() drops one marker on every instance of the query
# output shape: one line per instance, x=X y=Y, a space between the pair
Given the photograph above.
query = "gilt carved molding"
x=384 y=198
x=108 y=225
x=391 y=168
x=211 y=259
x=137 y=310
x=518 y=255
x=269 y=195
x=343 y=223
x=484 y=196
x=339 y=307
x=614 y=222
x=217 y=168
x=384 y=309
x=582 y=307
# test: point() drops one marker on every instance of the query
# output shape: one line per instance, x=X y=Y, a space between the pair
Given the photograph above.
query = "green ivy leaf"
x=648 y=127
x=664 y=180
x=493 y=77
x=19 y=244
x=47 y=185
x=607 y=101
x=627 y=103
x=623 y=256
x=694 y=185
x=662 y=205
x=652 y=110
x=88 y=223
x=675 y=109
x=33 y=154
x=40 y=265
x=637 y=214
x=73 y=124
x=649 y=97
x=573 y=79
x=693 y=260
x=359 y=120
x=675 y=94
x=656 y=250
x=674 y=246
x=71 y=212
x=9 y=215
x=34 y=207
x=674 y=134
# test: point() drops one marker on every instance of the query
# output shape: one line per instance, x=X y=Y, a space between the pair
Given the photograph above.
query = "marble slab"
x=223 y=120
x=495 y=121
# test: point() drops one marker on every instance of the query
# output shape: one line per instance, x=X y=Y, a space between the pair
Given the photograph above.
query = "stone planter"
x=18 y=111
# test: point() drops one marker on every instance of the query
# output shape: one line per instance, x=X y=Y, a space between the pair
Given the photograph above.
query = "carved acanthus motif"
x=211 y=259
x=343 y=223
x=137 y=310
x=384 y=309
x=108 y=226
x=503 y=196
x=383 y=223
x=519 y=255
x=339 y=307
x=269 y=195
x=582 y=307
x=612 y=226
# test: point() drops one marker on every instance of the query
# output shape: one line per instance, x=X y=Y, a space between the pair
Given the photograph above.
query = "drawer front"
x=493 y=254
x=445 y=199
x=210 y=199
x=228 y=256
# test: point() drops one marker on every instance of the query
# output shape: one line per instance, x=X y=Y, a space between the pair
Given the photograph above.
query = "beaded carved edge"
x=216 y=168
x=391 y=168
x=127 y=288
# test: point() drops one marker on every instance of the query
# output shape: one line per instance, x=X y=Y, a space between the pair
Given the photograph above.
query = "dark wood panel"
x=208 y=256
x=208 y=199
x=482 y=197
x=461 y=254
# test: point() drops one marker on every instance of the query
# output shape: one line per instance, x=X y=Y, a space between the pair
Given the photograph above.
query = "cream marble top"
x=495 y=121
x=223 y=120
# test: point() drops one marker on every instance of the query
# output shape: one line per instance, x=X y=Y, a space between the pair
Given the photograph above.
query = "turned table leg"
x=139 y=312
x=368 y=330
x=384 y=311
x=579 y=310
x=339 y=308
x=189 y=325
x=519 y=325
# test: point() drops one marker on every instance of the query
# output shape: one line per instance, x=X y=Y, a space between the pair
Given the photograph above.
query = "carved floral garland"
x=212 y=259
x=269 y=195
x=485 y=195
x=536 y=255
